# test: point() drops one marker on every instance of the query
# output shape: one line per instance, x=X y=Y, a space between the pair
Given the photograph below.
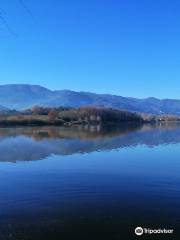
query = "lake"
x=89 y=182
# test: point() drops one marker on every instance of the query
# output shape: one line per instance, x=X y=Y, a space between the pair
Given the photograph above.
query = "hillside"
x=2 y=108
x=22 y=96
x=68 y=117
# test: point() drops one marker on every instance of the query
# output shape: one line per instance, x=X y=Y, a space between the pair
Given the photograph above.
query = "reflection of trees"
x=81 y=132
x=35 y=143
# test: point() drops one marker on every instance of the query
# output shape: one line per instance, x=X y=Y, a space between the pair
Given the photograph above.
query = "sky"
x=123 y=47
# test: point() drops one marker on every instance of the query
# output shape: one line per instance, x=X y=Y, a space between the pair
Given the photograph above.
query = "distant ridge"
x=22 y=96
x=2 y=108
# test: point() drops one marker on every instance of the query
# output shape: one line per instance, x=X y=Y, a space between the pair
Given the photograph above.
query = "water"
x=89 y=183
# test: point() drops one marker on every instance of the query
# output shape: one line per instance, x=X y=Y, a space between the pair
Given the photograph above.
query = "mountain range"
x=23 y=96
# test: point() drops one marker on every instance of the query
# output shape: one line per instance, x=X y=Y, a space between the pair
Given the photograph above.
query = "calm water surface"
x=88 y=183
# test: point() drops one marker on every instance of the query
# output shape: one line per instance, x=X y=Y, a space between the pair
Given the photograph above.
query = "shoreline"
x=59 y=123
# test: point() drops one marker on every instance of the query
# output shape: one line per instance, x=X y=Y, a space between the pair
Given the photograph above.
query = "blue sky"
x=128 y=48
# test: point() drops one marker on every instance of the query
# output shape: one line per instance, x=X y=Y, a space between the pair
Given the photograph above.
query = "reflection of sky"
x=137 y=171
x=121 y=180
x=26 y=148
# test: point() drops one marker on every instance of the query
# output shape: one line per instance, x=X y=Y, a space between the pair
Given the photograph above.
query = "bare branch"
x=5 y=23
x=23 y=4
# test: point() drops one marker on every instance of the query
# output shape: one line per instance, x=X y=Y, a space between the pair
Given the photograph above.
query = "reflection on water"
x=91 y=182
x=35 y=143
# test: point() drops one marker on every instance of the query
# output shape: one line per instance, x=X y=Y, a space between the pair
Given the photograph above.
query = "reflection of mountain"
x=25 y=144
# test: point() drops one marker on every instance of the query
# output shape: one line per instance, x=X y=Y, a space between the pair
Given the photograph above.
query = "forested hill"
x=23 y=96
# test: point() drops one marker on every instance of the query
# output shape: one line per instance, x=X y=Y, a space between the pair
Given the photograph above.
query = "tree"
x=53 y=115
